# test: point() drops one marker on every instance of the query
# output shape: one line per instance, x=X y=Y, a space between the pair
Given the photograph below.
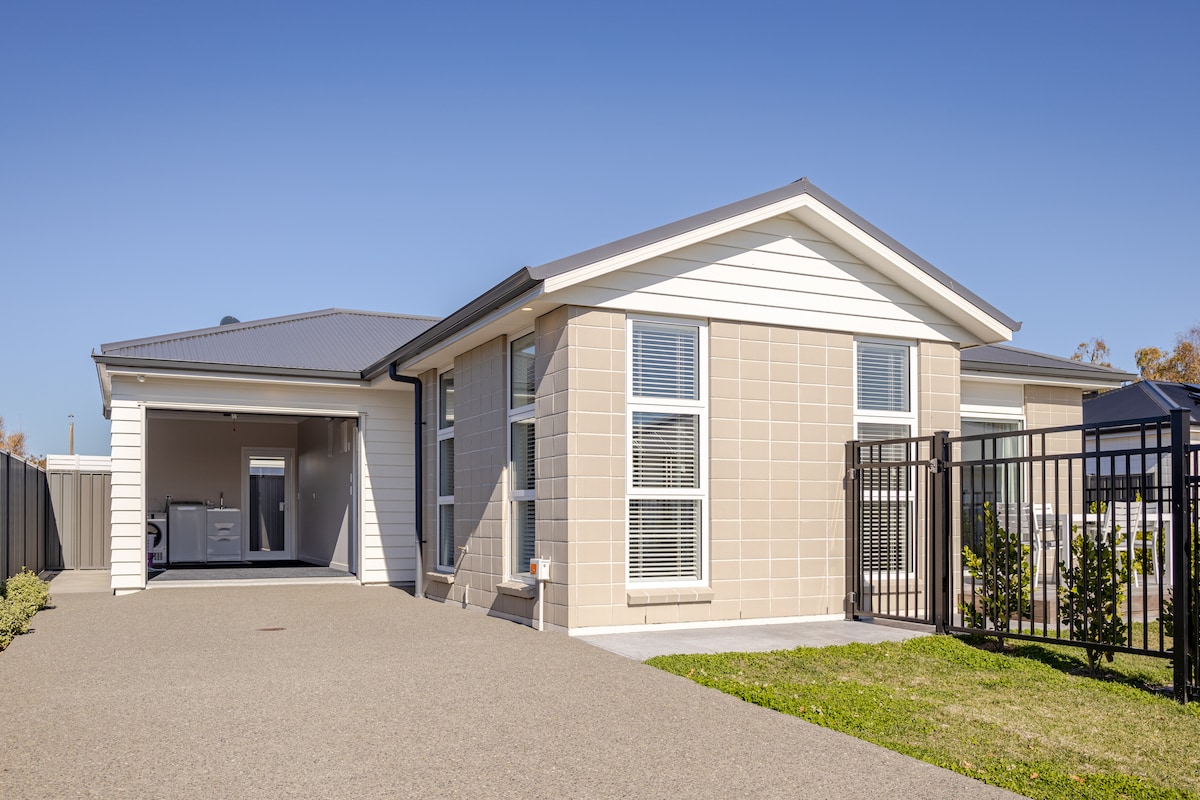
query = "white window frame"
x=443 y=501
x=515 y=496
x=698 y=407
x=909 y=419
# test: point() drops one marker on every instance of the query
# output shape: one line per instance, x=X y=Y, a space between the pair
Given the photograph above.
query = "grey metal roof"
x=1004 y=358
x=333 y=340
x=1141 y=400
x=528 y=278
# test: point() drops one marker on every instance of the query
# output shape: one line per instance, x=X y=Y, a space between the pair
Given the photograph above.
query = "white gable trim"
x=841 y=232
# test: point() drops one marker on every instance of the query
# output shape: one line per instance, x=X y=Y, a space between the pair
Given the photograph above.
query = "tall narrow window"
x=667 y=419
x=445 y=472
x=885 y=410
x=522 y=464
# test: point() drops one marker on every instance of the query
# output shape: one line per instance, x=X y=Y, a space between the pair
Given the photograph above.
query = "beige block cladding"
x=1053 y=407
x=939 y=387
x=780 y=412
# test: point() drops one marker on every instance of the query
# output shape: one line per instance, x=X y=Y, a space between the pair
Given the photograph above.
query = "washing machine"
x=156 y=540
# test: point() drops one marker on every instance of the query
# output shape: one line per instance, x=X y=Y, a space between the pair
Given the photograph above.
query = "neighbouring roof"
x=527 y=279
x=1142 y=400
x=999 y=358
x=334 y=340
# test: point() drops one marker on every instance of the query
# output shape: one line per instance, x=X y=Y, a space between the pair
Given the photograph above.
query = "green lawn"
x=1019 y=720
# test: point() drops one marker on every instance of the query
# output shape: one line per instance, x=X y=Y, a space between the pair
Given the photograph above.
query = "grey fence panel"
x=23 y=512
x=79 y=523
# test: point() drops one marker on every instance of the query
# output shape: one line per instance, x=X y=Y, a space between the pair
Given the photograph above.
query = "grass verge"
x=1022 y=721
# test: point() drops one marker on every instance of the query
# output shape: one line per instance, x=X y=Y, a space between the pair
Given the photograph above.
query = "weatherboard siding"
x=387 y=547
x=778 y=271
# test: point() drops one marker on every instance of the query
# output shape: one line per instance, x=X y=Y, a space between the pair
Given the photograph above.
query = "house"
x=663 y=418
x=1126 y=473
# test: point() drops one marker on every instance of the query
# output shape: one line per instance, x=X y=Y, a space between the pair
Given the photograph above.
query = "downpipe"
x=418 y=483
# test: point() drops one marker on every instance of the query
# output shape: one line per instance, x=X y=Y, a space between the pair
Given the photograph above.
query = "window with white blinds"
x=667 y=420
x=883 y=377
x=445 y=473
x=664 y=539
x=522 y=454
x=666 y=450
x=886 y=410
x=666 y=361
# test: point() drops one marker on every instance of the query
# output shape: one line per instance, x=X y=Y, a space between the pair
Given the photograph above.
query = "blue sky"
x=165 y=164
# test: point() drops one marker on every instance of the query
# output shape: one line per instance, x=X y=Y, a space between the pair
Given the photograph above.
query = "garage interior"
x=249 y=494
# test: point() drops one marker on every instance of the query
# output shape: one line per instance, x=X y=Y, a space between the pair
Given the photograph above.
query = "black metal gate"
x=1085 y=536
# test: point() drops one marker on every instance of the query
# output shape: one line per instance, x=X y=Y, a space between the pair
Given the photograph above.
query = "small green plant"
x=27 y=590
x=1002 y=578
x=21 y=596
x=1091 y=593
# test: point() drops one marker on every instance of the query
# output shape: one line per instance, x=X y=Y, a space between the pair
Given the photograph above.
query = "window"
x=882 y=378
x=445 y=472
x=667 y=423
x=885 y=409
x=522 y=464
x=998 y=486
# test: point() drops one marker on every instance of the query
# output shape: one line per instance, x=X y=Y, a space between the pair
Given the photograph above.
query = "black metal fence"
x=1084 y=536
x=24 y=516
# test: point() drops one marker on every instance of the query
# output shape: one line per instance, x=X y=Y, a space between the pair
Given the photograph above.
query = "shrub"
x=21 y=596
x=27 y=590
x=1002 y=578
x=13 y=621
x=1091 y=593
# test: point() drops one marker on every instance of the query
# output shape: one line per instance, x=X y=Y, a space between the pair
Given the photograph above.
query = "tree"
x=1093 y=351
x=1181 y=365
x=13 y=443
x=1092 y=592
x=1001 y=577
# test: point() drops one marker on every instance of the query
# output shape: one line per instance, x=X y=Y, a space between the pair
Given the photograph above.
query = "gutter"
x=498 y=296
x=418 y=483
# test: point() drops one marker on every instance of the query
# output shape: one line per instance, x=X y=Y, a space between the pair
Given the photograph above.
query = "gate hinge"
x=853 y=474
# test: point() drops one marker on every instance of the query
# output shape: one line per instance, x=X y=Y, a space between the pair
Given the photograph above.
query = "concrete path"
x=336 y=691
x=746 y=638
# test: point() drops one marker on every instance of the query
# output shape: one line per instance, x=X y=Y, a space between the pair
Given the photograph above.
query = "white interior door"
x=269 y=492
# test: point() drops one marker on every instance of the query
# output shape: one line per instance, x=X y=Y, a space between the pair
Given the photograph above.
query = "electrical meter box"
x=539 y=568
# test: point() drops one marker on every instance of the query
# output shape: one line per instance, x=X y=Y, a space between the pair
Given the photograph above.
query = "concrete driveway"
x=343 y=691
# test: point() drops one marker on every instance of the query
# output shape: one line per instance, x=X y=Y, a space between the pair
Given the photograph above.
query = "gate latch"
x=936 y=465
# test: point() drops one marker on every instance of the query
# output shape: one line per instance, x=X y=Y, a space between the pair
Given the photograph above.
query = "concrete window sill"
x=440 y=577
x=517 y=589
x=659 y=597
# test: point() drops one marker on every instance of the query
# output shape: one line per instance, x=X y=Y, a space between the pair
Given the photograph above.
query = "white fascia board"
x=105 y=387
x=816 y=214
x=127 y=372
x=906 y=274
x=1040 y=380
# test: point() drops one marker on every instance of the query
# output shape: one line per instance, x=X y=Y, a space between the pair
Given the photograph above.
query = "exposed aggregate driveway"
x=342 y=691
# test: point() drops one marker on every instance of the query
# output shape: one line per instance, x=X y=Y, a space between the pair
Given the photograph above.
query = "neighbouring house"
x=1121 y=468
x=664 y=418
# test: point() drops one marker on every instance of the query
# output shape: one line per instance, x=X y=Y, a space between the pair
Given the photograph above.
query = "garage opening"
x=232 y=494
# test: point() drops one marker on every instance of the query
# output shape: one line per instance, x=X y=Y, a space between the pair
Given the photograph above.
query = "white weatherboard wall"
x=387 y=553
x=777 y=271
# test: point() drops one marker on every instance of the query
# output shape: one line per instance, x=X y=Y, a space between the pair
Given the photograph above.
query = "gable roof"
x=1000 y=358
x=1142 y=400
x=562 y=272
x=331 y=341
